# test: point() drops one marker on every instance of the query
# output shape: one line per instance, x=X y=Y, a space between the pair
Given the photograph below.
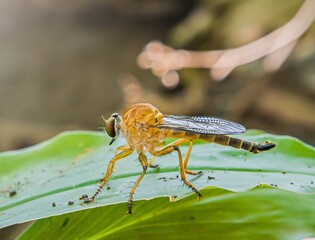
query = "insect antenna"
x=102 y=118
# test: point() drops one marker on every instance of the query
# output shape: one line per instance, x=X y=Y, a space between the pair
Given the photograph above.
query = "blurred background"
x=64 y=63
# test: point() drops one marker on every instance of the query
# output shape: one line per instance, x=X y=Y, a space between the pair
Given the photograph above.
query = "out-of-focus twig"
x=275 y=47
x=134 y=92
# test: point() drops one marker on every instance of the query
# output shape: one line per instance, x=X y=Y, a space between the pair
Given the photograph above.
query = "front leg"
x=109 y=171
x=121 y=148
x=144 y=164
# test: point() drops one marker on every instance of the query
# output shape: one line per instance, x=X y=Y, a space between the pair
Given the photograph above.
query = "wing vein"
x=201 y=125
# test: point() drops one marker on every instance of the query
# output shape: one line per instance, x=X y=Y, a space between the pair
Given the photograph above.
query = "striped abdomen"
x=221 y=139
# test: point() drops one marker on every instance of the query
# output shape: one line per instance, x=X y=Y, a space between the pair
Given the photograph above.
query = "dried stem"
x=275 y=47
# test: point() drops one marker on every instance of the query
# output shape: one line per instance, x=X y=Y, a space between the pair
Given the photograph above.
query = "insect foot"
x=86 y=199
x=129 y=211
x=154 y=165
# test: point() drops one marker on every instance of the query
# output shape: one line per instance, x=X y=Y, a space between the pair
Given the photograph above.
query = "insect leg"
x=186 y=160
x=121 y=148
x=182 y=173
x=151 y=165
x=174 y=147
x=110 y=169
x=144 y=164
x=168 y=148
x=177 y=143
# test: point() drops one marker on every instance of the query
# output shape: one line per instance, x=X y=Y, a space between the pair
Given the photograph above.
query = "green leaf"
x=262 y=213
x=65 y=167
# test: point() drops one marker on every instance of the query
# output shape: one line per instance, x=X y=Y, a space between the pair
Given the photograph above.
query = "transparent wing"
x=201 y=125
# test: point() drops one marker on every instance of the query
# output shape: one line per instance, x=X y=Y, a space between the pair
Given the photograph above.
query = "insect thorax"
x=138 y=126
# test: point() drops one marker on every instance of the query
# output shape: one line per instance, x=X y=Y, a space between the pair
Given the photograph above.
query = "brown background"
x=62 y=64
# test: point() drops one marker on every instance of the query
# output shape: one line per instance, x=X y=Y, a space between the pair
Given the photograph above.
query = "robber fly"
x=145 y=127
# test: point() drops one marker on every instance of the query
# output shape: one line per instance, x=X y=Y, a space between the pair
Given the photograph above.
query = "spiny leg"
x=110 y=169
x=186 y=160
x=182 y=173
x=144 y=164
x=177 y=143
x=170 y=148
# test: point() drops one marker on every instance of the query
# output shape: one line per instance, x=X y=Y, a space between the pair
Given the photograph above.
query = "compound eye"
x=110 y=127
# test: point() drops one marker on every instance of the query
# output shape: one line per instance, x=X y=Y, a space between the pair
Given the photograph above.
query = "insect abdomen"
x=237 y=143
x=222 y=140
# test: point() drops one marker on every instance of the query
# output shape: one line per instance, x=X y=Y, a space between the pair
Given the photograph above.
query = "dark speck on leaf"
x=108 y=188
x=12 y=193
x=53 y=204
x=161 y=178
x=70 y=203
x=210 y=178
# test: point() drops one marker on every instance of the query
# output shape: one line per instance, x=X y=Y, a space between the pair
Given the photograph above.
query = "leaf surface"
x=65 y=167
